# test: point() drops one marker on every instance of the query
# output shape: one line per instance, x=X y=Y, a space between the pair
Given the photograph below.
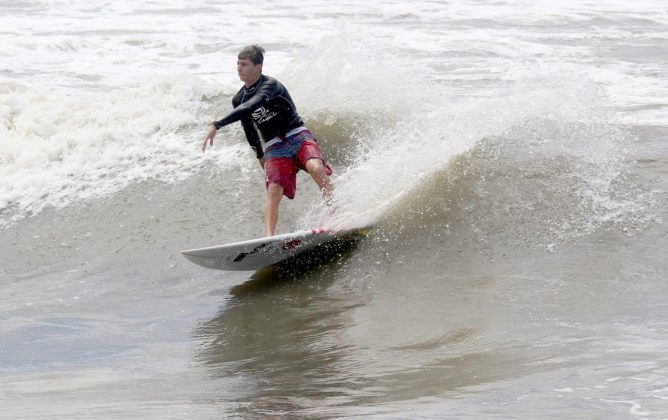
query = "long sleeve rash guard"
x=265 y=107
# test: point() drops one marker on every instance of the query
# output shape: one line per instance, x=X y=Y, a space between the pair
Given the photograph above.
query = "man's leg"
x=274 y=195
x=316 y=169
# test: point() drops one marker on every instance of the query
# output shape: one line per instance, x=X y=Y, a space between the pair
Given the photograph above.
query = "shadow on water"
x=279 y=330
x=302 y=267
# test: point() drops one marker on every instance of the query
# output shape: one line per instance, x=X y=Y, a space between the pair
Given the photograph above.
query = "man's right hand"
x=209 y=137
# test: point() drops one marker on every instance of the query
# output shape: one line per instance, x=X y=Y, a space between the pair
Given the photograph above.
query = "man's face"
x=248 y=71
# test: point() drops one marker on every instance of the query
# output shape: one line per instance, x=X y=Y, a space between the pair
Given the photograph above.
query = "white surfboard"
x=262 y=252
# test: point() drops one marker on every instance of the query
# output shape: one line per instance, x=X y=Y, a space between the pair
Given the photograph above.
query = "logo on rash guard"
x=262 y=114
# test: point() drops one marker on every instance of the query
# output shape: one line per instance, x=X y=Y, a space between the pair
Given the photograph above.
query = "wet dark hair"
x=254 y=53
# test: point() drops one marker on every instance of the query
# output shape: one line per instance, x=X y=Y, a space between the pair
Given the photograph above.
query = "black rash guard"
x=267 y=106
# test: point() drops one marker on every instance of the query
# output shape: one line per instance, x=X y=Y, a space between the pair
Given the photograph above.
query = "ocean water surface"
x=510 y=157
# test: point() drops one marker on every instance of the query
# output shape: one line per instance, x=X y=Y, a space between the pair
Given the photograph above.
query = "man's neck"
x=252 y=82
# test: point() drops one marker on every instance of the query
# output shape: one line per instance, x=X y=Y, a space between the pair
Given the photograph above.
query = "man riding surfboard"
x=263 y=104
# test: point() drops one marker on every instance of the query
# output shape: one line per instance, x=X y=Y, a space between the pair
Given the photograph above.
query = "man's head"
x=249 y=63
x=254 y=53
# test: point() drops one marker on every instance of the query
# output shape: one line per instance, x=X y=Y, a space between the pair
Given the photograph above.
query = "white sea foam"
x=59 y=147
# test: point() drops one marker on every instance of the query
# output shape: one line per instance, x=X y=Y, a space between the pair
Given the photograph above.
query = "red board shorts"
x=284 y=159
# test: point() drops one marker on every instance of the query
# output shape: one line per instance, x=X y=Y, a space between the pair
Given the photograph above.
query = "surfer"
x=263 y=104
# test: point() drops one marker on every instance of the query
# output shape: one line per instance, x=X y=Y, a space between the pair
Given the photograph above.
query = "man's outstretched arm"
x=237 y=114
x=241 y=111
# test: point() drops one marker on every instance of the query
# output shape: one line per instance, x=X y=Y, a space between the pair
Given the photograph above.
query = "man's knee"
x=274 y=189
x=315 y=165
